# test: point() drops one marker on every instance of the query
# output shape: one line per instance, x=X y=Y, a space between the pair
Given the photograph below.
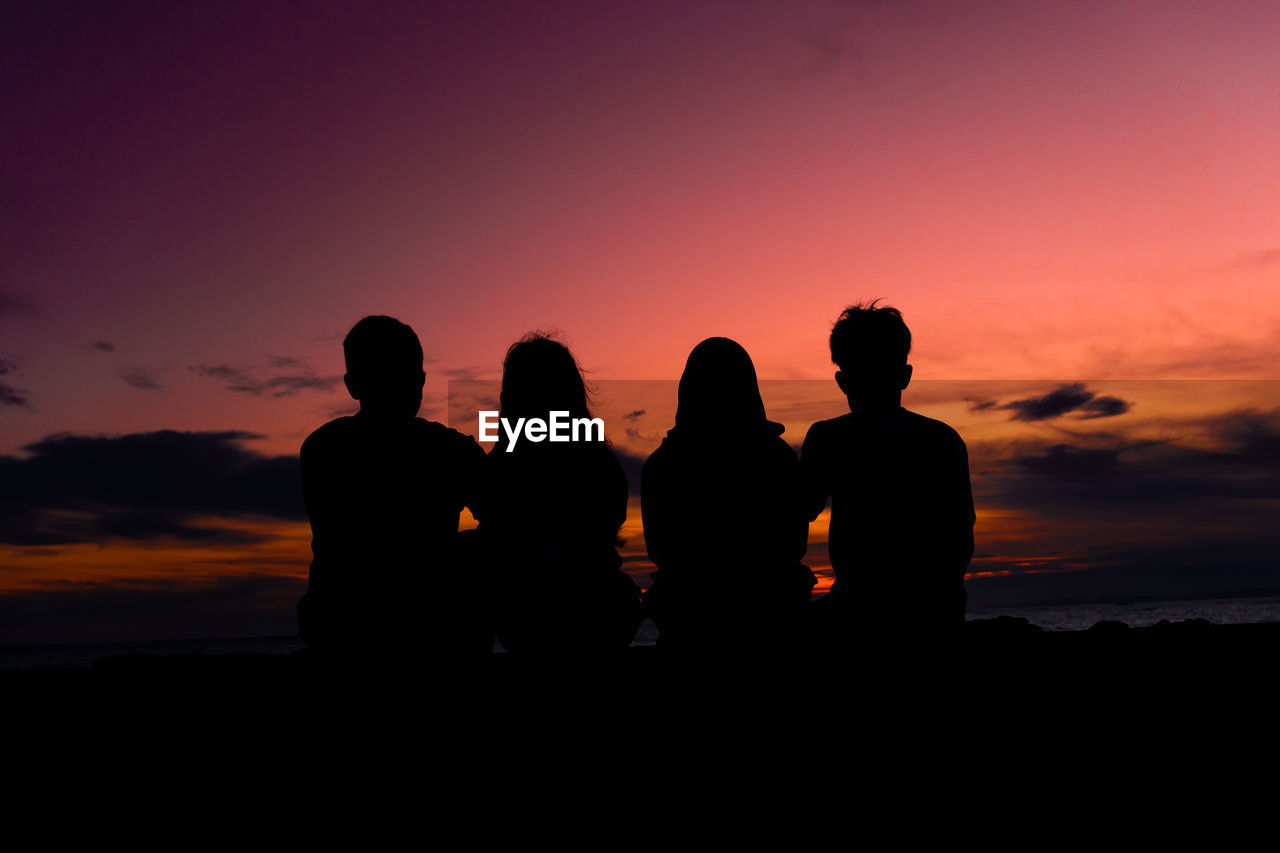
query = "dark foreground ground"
x=886 y=729
x=995 y=673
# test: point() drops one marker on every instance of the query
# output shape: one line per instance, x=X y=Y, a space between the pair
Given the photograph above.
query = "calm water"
x=1073 y=617
x=84 y=654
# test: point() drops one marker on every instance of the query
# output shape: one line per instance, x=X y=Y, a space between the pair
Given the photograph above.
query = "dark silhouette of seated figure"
x=550 y=516
x=724 y=520
x=384 y=489
x=902 y=513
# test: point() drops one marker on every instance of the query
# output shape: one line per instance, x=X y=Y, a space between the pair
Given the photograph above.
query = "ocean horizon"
x=1070 y=616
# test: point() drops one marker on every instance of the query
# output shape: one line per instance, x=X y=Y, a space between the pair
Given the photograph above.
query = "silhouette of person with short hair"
x=550 y=517
x=902 y=512
x=384 y=489
x=723 y=517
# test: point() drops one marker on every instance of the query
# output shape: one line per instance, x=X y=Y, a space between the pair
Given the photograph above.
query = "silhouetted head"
x=384 y=367
x=870 y=345
x=539 y=376
x=719 y=394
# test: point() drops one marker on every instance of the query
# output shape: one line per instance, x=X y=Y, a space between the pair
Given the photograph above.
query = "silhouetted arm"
x=654 y=509
x=967 y=517
x=815 y=470
x=318 y=497
x=618 y=500
x=788 y=507
x=472 y=475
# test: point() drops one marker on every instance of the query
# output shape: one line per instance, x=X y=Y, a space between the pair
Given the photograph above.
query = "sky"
x=197 y=201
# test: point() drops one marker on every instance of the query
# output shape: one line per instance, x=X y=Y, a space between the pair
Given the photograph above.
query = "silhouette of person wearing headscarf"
x=724 y=519
x=550 y=516
x=384 y=489
x=902 y=511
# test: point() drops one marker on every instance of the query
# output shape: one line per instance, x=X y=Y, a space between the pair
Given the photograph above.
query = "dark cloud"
x=1063 y=400
x=10 y=396
x=13 y=397
x=1191 y=515
x=140 y=378
x=100 y=346
x=1058 y=402
x=246 y=380
x=1065 y=460
x=143 y=486
x=1230 y=480
x=631 y=416
x=1105 y=407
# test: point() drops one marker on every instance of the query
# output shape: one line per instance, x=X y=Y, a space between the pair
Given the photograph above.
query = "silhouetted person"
x=384 y=489
x=724 y=520
x=550 y=517
x=901 y=507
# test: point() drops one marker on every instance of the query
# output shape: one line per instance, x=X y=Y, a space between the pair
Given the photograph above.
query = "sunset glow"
x=1074 y=206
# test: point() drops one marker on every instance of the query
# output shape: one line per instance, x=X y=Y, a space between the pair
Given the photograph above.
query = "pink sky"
x=1049 y=190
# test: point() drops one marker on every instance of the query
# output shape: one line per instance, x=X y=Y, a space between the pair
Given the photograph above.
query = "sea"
x=1075 y=616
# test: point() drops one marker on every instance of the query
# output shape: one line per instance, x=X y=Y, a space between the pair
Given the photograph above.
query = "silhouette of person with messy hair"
x=550 y=516
x=902 y=512
x=384 y=489
x=723 y=516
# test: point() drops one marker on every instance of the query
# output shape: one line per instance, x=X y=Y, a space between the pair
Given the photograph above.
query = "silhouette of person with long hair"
x=550 y=517
x=384 y=489
x=724 y=519
x=902 y=512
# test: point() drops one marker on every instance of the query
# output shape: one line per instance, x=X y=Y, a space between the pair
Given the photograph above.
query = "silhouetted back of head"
x=719 y=394
x=539 y=376
x=384 y=367
x=870 y=345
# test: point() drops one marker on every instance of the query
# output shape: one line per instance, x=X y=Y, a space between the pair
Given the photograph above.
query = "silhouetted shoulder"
x=340 y=431
x=938 y=431
x=331 y=433
x=906 y=424
x=449 y=437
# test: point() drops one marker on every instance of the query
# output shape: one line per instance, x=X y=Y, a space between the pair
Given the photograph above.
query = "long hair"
x=540 y=376
x=719 y=394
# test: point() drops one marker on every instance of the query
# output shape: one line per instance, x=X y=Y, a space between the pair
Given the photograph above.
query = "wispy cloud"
x=463 y=373
x=284 y=377
x=1258 y=259
x=10 y=396
x=140 y=378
